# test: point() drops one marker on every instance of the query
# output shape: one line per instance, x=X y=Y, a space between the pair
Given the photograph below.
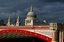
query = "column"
x=61 y=36
x=55 y=36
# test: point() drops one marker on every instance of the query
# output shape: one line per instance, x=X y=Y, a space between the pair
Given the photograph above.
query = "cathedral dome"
x=30 y=14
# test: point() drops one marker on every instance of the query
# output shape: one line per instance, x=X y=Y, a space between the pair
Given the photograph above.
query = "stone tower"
x=17 y=21
x=8 y=23
x=54 y=29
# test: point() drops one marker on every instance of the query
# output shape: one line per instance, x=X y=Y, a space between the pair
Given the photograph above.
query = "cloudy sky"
x=45 y=9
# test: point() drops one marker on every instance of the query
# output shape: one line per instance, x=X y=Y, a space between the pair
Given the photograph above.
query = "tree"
x=2 y=22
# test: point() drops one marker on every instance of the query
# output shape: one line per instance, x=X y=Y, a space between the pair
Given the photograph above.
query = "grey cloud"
x=52 y=0
x=44 y=8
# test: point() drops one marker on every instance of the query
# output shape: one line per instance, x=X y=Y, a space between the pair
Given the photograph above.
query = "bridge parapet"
x=25 y=27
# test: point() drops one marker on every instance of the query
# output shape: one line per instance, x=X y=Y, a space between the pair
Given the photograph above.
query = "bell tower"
x=8 y=24
x=17 y=18
x=17 y=21
x=29 y=19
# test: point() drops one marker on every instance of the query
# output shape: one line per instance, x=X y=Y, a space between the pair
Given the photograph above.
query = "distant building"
x=29 y=19
x=8 y=23
x=17 y=21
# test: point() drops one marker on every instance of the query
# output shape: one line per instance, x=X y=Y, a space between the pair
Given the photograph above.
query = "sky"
x=51 y=10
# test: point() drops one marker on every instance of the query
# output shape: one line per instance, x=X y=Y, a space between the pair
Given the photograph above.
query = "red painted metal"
x=43 y=37
x=23 y=30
